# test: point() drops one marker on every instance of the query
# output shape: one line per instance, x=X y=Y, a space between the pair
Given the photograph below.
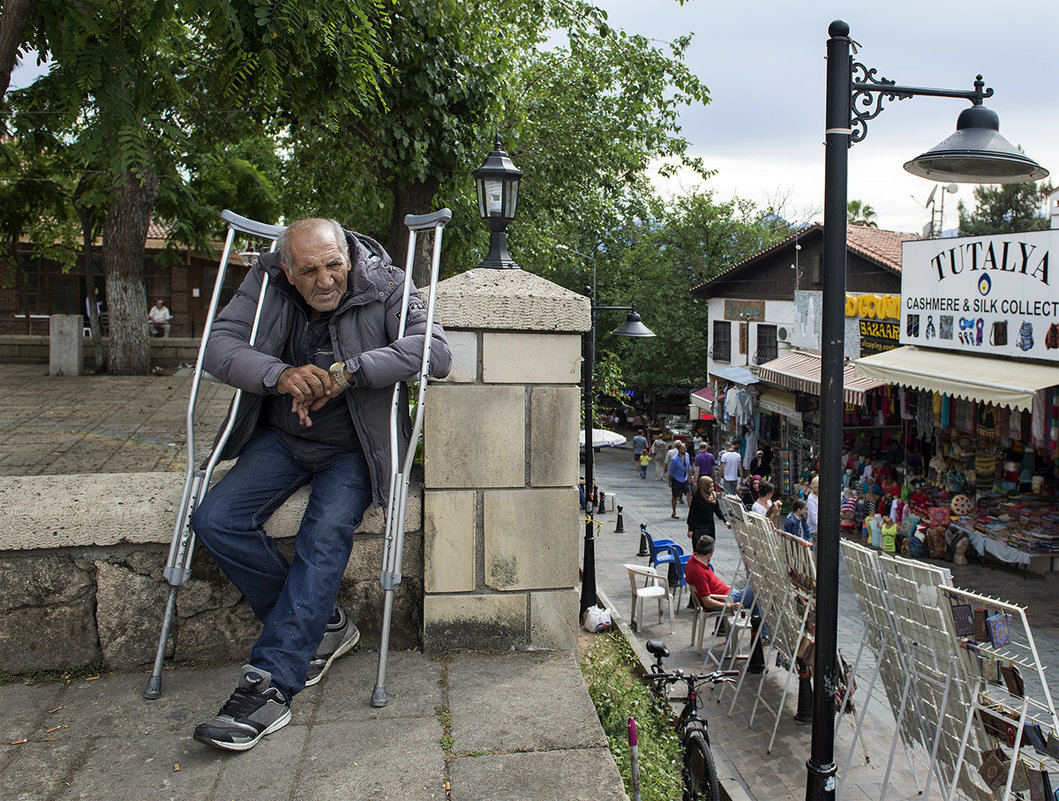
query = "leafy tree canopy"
x=860 y=213
x=1005 y=208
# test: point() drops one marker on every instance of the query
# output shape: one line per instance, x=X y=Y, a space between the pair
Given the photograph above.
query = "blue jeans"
x=293 y=600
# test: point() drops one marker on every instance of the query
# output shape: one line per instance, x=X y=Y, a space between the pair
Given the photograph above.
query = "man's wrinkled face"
x=319 y=271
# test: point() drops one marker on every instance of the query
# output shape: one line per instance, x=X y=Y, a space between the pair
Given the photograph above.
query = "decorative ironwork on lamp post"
x=976 y=153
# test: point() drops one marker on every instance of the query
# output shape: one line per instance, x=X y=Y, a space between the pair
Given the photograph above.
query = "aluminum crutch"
x=390 y=576
x=197 y=480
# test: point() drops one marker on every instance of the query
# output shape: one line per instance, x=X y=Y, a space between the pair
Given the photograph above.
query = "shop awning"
x=703 y=398
x=779 y=402
x=979 y=378
x=737 y=375
x=800 y=370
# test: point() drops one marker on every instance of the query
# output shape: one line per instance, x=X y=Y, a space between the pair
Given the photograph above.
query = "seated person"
x=764 y=505
x=715 y=595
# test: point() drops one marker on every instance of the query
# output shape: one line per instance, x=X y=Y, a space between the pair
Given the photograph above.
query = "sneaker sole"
x=344 y=648
x=276 y=726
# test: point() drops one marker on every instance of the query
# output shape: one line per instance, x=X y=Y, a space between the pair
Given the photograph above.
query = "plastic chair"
x=660 y=551
x=654 y=586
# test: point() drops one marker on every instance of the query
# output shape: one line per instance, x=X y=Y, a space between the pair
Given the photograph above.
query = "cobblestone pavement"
x=101 y=424
x=781 y=774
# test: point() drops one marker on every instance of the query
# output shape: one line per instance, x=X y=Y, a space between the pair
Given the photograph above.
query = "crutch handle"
x=247 y=226
x=423 y=222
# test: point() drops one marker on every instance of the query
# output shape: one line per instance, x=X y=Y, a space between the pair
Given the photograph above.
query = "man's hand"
x=306 y=384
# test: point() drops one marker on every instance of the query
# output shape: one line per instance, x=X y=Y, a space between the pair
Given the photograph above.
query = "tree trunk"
x=12 y=25
x=413 y=198
x=124 y=235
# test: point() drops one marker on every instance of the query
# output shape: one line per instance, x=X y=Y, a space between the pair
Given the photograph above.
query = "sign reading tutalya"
x=985 y=294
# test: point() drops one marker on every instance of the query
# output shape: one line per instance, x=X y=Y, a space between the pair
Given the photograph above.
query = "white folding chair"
x=655 y=585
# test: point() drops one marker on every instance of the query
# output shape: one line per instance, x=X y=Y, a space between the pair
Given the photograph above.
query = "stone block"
x=554 y=619
x=471 y=622
x=464 y=345
x=554 y=427
x=365 y=560
x=38 y=580
x=363 y=601
x=510 y=300
x=448 y=541
x=128 y=632
x=532 y=358
x=216 y=636
x=475 y=437
x=66 y=345
x=53 y=637
x=531 y=538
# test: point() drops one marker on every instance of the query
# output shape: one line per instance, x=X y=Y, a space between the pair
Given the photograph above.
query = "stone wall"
x=83 y=580
x=31 y=349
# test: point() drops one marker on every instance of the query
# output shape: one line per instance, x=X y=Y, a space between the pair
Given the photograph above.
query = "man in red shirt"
x=715 y=595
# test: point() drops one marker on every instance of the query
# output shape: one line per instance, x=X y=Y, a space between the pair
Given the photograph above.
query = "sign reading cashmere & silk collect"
x=985 y=294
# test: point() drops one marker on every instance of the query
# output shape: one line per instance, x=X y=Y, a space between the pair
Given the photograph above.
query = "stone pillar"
x=501 y=520
x=66 y=346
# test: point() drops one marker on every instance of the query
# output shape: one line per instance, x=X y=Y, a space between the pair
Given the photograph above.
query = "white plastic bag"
x=597 y=619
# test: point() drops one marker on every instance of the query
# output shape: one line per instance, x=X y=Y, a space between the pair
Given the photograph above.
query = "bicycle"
x=699 y=773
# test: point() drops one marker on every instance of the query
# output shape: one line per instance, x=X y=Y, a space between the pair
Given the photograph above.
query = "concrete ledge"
x=34 y=349
x=133 y=508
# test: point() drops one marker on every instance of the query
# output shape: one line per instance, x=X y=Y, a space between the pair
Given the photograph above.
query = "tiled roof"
x=157 y=230
x=875 y=244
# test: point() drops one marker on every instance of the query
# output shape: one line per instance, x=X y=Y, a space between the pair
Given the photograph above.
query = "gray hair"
x=309 y=223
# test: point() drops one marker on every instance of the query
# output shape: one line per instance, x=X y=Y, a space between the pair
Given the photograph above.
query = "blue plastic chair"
x=660 y=551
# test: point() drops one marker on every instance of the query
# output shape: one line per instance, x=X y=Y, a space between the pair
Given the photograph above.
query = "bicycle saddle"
x=657 y=647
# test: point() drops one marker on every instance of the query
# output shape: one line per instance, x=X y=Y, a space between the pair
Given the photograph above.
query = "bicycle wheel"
x=700 y=775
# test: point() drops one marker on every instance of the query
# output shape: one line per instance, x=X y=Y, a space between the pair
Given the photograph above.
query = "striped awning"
x=800 y=370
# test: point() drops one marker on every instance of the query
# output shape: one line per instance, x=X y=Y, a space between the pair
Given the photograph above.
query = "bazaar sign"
x=987 y=294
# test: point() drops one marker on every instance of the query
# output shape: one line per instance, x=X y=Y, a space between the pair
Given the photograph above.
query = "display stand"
x=1012 y=711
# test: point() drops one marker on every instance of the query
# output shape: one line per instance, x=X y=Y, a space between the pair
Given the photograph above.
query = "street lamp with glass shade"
x=497 y=182
x=976 y=153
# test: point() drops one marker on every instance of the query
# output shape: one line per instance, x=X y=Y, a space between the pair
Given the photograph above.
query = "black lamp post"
x=632 y=327
x=497 y=181
x=976 y=153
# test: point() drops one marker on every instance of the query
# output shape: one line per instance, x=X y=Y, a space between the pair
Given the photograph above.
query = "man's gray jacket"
x=363 y=334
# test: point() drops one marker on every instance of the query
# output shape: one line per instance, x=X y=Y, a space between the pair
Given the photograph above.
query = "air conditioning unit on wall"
x=782 y=334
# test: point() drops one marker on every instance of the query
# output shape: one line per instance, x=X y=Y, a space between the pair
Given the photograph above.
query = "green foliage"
x=1005 y=209
x=860 y=213
x=607 y=669
x=678 y=246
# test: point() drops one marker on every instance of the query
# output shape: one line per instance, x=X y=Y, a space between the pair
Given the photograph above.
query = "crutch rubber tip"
x=154 y=688
x=378 y=697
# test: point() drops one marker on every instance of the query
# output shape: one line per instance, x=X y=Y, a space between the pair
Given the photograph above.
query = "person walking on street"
x=317 y=383
x=639 y=445
x=679 y=473
x=702 y=510
x=658 y=456
x=704 y=463
x=732 y=469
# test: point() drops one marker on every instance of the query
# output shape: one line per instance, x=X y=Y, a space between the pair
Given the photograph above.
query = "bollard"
x=601 y=508
x=619 y=527
x=643 y=540
x=634 y=755
x=805 y=694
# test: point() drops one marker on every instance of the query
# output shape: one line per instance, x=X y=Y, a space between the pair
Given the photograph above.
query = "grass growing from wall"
x=610 y=671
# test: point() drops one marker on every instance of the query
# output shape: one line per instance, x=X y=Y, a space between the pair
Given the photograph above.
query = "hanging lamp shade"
x=976 y=154
x=633 y=327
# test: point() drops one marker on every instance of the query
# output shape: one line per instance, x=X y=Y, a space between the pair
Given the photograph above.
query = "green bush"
x=609 y=669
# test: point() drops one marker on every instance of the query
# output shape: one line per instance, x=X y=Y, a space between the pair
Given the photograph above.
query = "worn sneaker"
x=255 y=709
x=339 y=636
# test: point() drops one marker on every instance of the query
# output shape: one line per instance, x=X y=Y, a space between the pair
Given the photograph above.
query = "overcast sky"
x=763 y=61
